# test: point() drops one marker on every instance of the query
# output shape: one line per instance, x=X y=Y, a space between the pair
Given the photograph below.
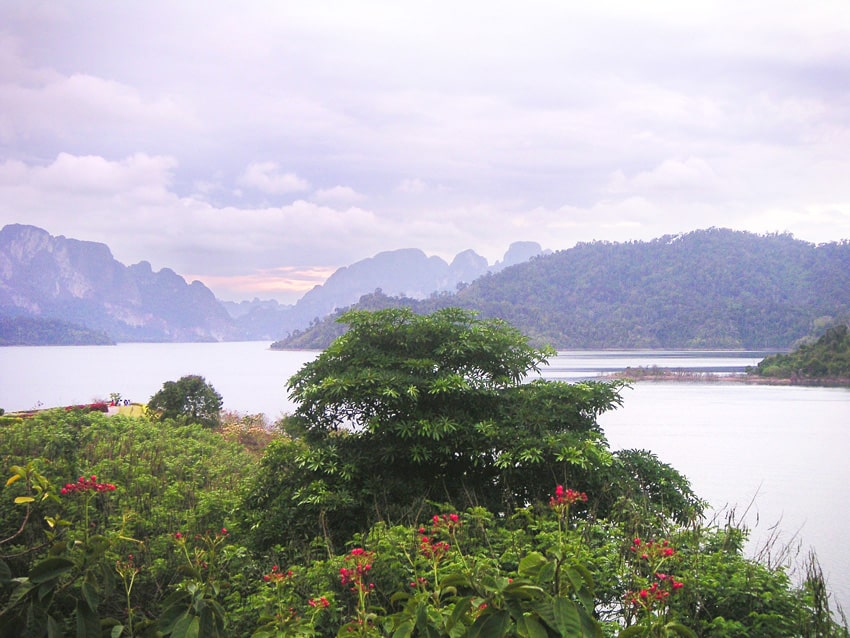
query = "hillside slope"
x=713 y=289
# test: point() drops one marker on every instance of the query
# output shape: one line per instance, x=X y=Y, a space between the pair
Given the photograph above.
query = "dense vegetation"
x=827 y=359
x=33 y=331
x=190 y=399
x=419 y=490
x=714 y=289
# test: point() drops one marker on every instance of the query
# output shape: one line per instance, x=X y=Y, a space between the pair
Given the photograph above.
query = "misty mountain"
x=406 y=272
x=60 y=290
x=45 y=278
x=712 y=289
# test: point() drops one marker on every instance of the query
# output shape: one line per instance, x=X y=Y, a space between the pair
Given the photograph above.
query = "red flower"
x=566 y=497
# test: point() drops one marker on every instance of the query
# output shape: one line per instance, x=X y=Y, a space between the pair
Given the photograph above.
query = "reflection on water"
x=587 y=364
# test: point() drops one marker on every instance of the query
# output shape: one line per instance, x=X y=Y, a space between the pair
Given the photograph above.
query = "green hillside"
x=713 y=289
x=827 y=358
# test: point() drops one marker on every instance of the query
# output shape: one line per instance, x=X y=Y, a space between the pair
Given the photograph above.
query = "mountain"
x=407 y=272
x=45 y=278
x=712 y=289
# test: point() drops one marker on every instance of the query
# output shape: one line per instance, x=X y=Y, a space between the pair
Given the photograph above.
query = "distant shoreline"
x=666 y=374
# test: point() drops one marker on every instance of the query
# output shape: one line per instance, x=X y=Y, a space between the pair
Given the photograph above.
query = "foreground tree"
x=190 y=399
x=406 y=410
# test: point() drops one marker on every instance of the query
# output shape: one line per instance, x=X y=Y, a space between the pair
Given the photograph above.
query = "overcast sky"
x=258 y=148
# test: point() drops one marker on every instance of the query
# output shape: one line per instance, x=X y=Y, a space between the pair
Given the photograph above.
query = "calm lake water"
x=782 y=451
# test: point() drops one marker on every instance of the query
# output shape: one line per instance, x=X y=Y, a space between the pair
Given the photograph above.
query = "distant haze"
x=259 y=148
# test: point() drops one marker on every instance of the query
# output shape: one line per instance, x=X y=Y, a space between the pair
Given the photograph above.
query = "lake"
x=786 y=449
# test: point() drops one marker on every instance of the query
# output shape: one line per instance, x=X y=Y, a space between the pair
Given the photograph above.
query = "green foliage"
x=714 y=288
x=826 y=359
x=112 y=549
x=152 y=557
x=405 y=409
x=37 y=331
x=340 y=531
x=190 y=399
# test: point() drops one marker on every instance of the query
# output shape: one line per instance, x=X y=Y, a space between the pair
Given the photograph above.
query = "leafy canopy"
x=407 y=409
x=395 y=365
x=190 y=399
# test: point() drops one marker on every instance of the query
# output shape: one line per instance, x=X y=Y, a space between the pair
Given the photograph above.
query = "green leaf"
x=680 y=629
x=186 y=627
x=532 y=563
x=21 y=591
x=529 y=627
x=207 y=625
x=5 y=573
x=20 y=500
x=566 y=617
x=54 y=629
x=91 y=596
x=116 y=632
x=88 y=623
x=455 y=580
x=404 y=630
x=634 y=630
x=490 y=625
x=523 y=591
x=48 y=569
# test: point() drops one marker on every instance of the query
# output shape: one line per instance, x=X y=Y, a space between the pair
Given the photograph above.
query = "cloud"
x=411 y=186
x=692 y=175
x=338 y=194
x=285 y=283
x=46 y=107
x=267 y=178
x=231 y=143
x=92 y=174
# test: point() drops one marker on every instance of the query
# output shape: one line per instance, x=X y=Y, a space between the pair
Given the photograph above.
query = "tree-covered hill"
x=828 y=359
x=714 y=288
x=33 y=331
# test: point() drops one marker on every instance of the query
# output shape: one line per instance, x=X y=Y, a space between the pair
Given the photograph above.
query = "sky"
x=258 y=147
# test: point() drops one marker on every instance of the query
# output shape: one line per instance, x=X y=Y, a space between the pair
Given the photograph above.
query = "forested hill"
x=826 y=359
x=714 y=288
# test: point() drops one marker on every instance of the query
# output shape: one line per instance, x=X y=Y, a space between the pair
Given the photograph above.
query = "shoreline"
x=636 y=375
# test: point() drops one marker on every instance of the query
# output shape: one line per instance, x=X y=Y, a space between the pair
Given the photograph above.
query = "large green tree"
x=405 y=410
x=189 y=399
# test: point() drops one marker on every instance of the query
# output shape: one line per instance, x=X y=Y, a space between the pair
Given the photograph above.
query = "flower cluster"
x=566 y=497
x=652 y=550
x=89 y=484
x=318 y=602
x=276 y=575
x=356 y=575
x=127 y=567
x=431 y=547
x=657 y=592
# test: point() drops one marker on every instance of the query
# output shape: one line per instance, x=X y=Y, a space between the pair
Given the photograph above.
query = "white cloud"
x=267 y=178
x=338 y=194
x=411 y=186
x=175 y=135
x=692 y=175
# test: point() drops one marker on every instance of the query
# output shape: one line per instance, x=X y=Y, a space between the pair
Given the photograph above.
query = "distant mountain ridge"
x=407 y=272
x=59 y=290
x=708 y=289
x=55 y=278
